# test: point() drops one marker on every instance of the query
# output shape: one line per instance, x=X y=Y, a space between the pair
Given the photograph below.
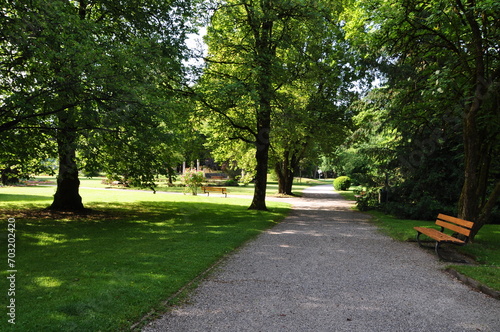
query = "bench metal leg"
x=420 y=242
x=438 y=245
x=418 y=239
x=451 y=260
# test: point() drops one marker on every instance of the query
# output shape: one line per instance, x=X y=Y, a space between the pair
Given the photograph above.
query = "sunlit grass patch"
x=106 y=268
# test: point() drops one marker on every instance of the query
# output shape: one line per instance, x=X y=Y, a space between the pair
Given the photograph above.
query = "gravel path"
x=325 y=268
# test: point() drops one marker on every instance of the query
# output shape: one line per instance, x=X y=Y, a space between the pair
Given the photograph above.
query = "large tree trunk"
x=468 y=207
x=67 y=196
x=265 y=55
x=474 y=205
x=285 y=170
x=477 y=162
x=262 y=145
x=278 y=169
x=262 y=157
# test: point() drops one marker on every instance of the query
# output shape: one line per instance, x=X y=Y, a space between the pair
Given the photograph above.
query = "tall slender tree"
x=249 y=62
x=311 y=114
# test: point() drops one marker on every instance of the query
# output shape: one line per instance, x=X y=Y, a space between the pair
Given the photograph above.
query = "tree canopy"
x=96 y=79
x=103 y=85
x=441 y=62
x=274 y=73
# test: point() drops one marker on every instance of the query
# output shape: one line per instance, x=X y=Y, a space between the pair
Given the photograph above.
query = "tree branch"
x=490 y=204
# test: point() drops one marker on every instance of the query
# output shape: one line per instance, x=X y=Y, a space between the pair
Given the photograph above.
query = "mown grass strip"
x=105 y=270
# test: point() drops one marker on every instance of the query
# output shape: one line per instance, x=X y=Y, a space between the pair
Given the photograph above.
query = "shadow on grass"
x=107 y=269
x=116 y=222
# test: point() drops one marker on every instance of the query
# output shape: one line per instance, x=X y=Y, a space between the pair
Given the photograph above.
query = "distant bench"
x=458 y=226
x=208 y=189
x=360 y=195
x=119 y=184
x=114 y=183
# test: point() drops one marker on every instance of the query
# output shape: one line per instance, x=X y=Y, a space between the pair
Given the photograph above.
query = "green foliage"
x=430 y=187
x=246 y=178
x=342 y=183
x=368 y=155
x=231 y=183
x=104 y=74
x=411 y=135
x=440 y=65
x=368 y=200
x=287 y=86
x=193 y=179
x=414 y=158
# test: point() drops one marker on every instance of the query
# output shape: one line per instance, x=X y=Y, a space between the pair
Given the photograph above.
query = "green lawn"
x=485 y=250
x=272 y=186
x=106 y=270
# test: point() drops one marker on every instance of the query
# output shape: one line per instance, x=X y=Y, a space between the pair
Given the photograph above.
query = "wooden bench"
x=208 y=189
x=456 y=225
x=360 y=195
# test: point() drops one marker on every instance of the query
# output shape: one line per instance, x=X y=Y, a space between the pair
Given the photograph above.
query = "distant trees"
x=242 y=73
x=369 y=153
x=311 y=115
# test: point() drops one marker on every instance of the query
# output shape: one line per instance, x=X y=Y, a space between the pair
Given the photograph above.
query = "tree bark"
x=262 y=157
x=472 y=201
x=473 y=205
x=468 y=207
x=278 y=169
x=264 y=57
x=67 y=196
x=285 y=170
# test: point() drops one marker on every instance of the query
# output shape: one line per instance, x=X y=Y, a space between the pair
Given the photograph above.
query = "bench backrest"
x=213 y=188
x=455 y=224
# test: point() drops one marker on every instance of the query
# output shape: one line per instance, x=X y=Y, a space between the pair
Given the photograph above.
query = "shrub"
x=192 y=180
x=342 y=183
x=368 y=200
x=231 y=183
x=246 y=178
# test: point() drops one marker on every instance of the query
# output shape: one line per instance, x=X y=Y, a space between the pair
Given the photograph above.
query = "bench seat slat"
x=437 y=235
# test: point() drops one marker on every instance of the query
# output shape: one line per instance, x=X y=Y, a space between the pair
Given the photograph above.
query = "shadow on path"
x=325 y=268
